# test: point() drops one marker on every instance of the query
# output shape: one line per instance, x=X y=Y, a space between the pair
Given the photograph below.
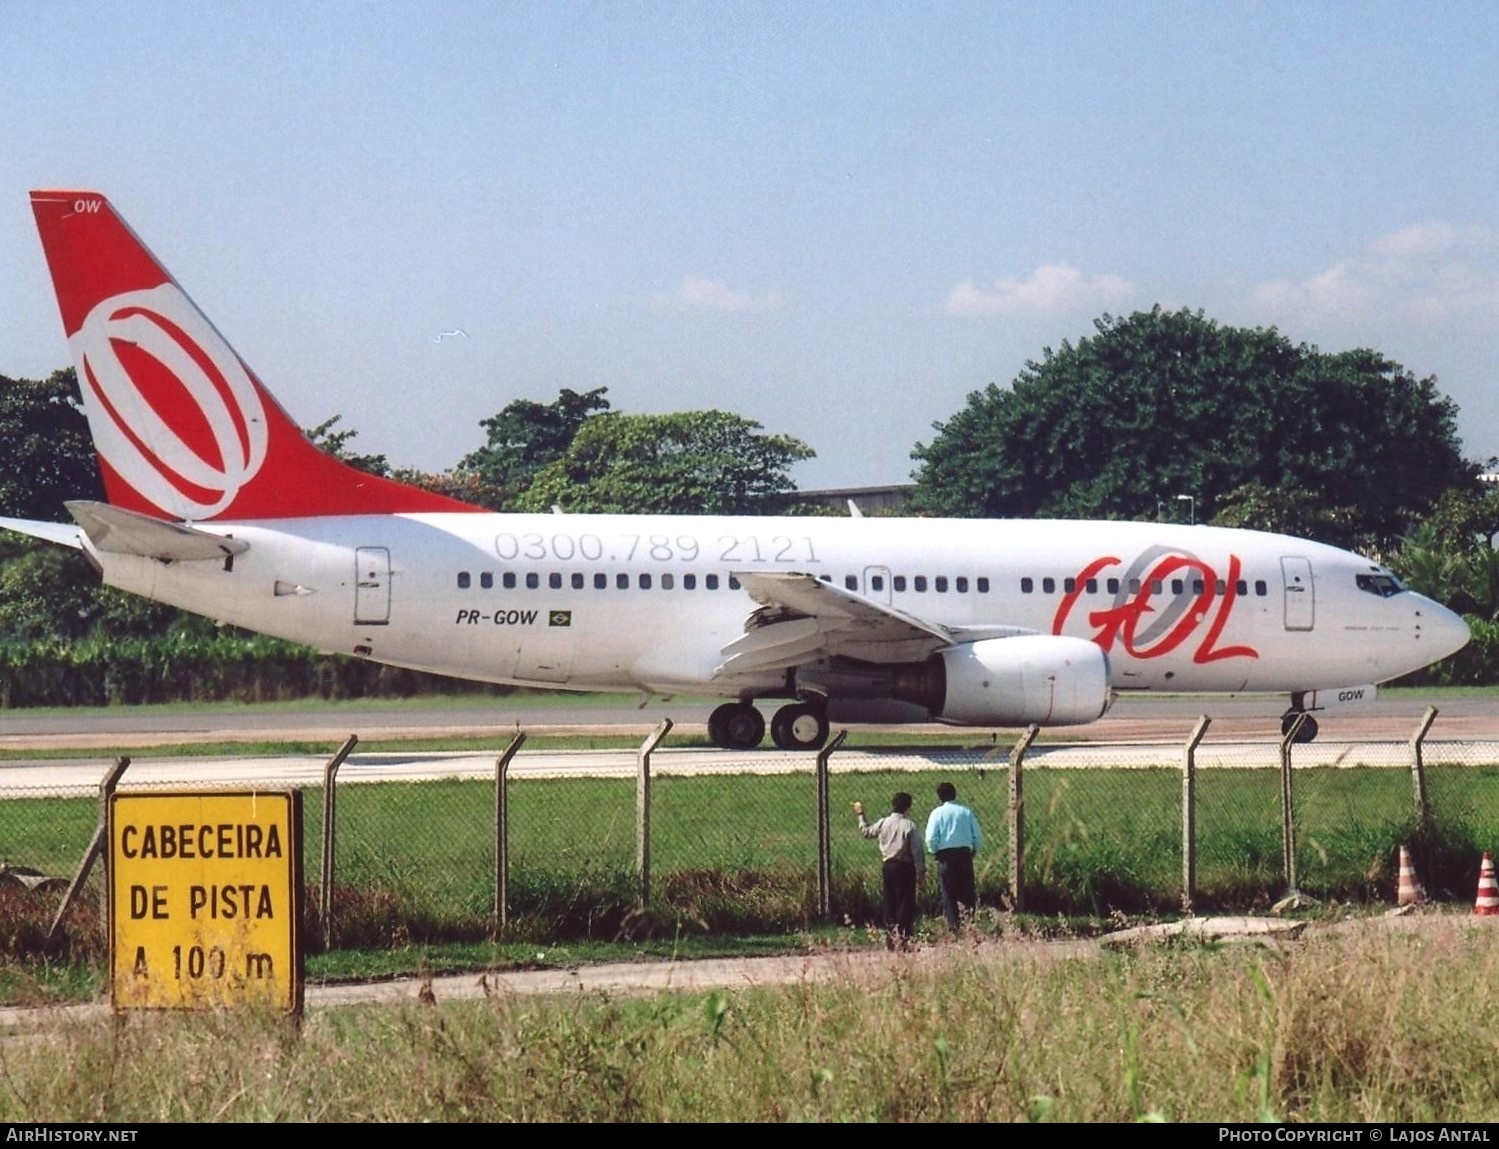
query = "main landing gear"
x=736 y=726
x=739 y=726
x=803 y=726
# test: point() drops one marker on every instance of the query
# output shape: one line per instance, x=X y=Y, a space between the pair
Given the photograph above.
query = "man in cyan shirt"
x=953 y=837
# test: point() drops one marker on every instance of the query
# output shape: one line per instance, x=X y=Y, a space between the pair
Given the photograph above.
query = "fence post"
x=643 y=808
x=1017 y=818
x=824 y=831
x=94 y=852
x=1418 y=772
x=325 y=873
x=1189 y=811
x=1293 y=896
x=502 y=832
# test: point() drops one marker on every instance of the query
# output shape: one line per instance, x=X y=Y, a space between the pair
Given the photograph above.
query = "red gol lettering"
x=1128 y=623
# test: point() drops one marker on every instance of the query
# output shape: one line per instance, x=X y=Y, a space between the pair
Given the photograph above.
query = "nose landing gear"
x=1308 y=729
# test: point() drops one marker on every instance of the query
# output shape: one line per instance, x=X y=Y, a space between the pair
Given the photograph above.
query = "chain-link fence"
x=608 y=844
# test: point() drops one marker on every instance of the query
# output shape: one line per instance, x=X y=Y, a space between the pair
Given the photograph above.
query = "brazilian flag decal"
x=560 y=618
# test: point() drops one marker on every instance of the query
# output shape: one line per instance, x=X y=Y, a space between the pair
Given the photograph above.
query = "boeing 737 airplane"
x=218 y=504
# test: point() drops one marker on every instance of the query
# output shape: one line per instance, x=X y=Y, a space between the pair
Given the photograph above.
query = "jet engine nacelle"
x=1046 y=679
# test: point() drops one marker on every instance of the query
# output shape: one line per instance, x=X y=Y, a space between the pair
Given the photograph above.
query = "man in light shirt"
x=953 y=836
x=905 y=866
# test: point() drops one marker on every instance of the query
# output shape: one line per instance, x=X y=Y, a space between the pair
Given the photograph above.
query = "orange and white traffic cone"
x=1410 y=892
x=1487 y=903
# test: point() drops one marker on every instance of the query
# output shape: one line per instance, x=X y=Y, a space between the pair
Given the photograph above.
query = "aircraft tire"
x=802 y=726
x=1308 y=731
x=736 y=726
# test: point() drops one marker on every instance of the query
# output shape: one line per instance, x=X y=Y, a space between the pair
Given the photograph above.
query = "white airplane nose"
x=1442 y=631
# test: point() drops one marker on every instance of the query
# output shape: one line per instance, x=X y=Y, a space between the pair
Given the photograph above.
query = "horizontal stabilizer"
x=64 y=534
x=125 y=532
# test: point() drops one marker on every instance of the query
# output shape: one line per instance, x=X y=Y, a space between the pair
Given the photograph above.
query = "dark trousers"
x=955 y=876
x=900 y=899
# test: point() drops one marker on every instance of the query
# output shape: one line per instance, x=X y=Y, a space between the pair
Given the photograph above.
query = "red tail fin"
x=183 y=428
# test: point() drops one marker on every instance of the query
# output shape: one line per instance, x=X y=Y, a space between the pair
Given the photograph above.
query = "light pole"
x=1191 y=509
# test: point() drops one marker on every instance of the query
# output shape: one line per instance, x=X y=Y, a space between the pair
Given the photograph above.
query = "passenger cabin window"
x=918 y=583
x=899 y=582
x=577 y=581
x=733 y=583
x=1091 y=585
x=710 y=581
x=940 y=582
x=508 y=580
x=600 y=582
x=983 y=586
x=486 y=580
x=1069 y=585
x=877 y=583
x=668 y=581
x=1260 y=588
x=961 y=584
x=1049 y=585
x=645 y=582
x=463 y=580
x=850 y=582
x=533 y=580
x=554 y=580
x=689 y=582
x=1027 y=585
x=622 y=581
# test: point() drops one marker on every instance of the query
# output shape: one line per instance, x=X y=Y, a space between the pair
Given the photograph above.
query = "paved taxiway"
x=1138 y=733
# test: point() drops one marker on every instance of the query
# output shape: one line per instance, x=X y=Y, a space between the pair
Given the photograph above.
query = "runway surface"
x=1137 y=733
x=1133 y=718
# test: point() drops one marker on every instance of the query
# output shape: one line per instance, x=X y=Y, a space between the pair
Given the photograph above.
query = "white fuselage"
x=602 y=602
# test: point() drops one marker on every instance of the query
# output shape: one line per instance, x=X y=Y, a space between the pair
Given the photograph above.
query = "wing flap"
x=802 y=618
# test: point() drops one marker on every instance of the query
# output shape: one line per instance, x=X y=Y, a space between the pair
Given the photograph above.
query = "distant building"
x=869 y=500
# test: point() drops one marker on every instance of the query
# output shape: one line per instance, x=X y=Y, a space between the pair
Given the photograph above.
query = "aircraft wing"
x=802 y=619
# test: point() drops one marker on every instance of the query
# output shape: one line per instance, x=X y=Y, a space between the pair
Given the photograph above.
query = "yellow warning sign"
x=205 y=900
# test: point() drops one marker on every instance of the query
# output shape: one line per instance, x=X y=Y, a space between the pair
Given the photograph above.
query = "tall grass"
x=1369 y=1026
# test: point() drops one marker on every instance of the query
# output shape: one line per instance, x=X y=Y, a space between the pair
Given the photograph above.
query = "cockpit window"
x=1384 y=585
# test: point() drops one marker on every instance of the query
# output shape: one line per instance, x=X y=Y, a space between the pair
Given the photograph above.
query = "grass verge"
x=1365 y=1026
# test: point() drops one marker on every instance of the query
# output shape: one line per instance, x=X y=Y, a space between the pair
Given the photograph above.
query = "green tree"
x=527 y=436
x=49 y=454
x=327 y=437
x=1162 y=403
x=692 y=462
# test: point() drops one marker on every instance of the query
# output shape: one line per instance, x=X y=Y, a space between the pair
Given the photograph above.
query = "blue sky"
x=837 y=219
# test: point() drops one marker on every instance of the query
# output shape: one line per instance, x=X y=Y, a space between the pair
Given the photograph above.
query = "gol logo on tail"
x=140 y=352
